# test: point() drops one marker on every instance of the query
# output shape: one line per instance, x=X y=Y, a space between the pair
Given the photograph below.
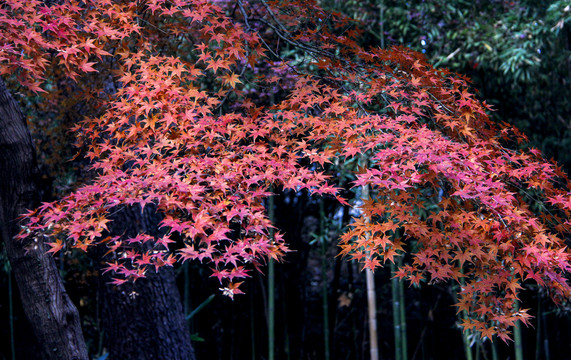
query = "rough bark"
x=145 y=320
x=54 y=318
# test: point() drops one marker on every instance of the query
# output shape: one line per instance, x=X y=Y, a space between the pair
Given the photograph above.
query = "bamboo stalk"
x=287 y=348
x=252 y=326
x=352 y=313
x=199 y=307
x=466 y=339
x=271 y=289
x=382 y=23
x=545 y=337
x=465 y=334
x=396 y=314
x=478 y=352
x=538 y=331
x=271 y=310
x=494 y=350
x=324 y=286
x=404 y=342
x=371 y=302
x=517 y=337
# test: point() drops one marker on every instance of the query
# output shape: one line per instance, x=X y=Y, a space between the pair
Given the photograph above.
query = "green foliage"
x=516 y=53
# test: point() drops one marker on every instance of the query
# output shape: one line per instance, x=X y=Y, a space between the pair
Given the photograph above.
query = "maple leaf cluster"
x=188 y=132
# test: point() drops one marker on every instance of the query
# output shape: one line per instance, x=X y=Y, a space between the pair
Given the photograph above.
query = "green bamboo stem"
x=324 y=291
x=545 y=337
x=538 y=331
x=404 y=342
x=517 y=337
x=199 y=307
x=478 y=352
x=252 y=327
x=271 y=310
x=352 y=316
x=382 y=23
x=494 y=350
x=396 y=314
x=465 y=334
x=271 y=289
x=287 y=348
x=286 y=344
x=101 y=334
x=466 y=339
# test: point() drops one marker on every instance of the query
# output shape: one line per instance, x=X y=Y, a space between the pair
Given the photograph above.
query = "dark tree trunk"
x=52 y=315
x=144 y=320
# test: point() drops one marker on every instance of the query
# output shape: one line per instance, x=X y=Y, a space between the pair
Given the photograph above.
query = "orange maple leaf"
x=231 y=79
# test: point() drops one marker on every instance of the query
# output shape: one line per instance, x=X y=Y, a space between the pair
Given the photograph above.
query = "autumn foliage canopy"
x=201 y=109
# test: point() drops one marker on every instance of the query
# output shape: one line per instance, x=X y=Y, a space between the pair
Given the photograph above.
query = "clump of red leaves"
x=188 y=131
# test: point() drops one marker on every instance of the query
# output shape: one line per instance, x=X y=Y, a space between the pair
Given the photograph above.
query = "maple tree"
x=184 y=127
